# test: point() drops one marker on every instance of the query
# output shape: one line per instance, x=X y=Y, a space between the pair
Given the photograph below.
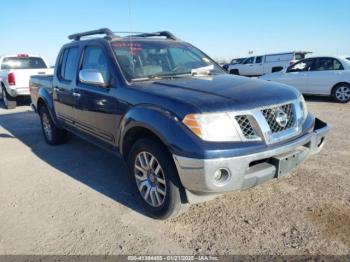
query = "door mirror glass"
x=92 y=77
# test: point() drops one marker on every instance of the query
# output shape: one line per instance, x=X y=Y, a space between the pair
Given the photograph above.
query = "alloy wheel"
x=47 y=126
x=343 y=93
x=150 y=179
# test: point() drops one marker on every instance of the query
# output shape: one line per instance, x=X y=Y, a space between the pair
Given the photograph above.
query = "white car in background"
x=266 y=64
x=323 y=75
x=15 y=72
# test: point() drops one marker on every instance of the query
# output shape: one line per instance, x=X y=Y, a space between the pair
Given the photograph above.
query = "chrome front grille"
x=246 y=127
x=271 y=113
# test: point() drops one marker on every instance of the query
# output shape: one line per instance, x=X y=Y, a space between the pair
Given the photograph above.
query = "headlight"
x=212 y=126
x=303 y=107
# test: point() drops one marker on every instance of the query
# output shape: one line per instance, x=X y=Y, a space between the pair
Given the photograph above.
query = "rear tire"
x=154 y=175
x=9 y=102
x=52 y=134
x=341 y=93
x=234 y=72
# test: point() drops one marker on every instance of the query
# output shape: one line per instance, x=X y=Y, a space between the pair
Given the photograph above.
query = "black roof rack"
x=110 y=34
x=102 y=31
x=167 y=34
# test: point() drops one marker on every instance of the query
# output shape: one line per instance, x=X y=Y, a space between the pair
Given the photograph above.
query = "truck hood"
x=221 y=92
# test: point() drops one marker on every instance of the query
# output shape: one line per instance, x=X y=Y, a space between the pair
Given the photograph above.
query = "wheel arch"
x=159 y=124
x=338 y=84
x=45 y=99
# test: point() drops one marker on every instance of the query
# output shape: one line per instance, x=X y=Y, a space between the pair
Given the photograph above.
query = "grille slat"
x=247 y=129
x=270 y=116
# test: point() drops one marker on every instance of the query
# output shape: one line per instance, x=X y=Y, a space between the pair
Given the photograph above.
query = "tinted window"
x=304 y=65
x=327 y=64
x=23 y=63
x=249 y=60
x=258 y=59
x=69 y=63
x=94 y=58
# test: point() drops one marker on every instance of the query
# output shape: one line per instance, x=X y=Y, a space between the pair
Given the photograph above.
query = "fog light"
x=221 y=176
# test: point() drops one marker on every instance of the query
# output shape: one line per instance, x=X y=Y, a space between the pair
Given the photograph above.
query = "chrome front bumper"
x=250 y=169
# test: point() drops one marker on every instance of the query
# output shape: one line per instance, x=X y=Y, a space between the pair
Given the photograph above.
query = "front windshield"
x=143 y=60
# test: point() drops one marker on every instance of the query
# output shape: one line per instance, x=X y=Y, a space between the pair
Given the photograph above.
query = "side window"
x=328 y=64
x=94 y=58
x=258 y=59
x=249 y=60
x=304 y=65
x=337 y=65
x=69 y=63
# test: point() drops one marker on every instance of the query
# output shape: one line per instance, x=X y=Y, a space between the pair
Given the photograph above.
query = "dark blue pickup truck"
x=187 y=130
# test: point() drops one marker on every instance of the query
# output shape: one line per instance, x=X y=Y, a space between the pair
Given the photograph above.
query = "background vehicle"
x=233 y=62
x=15 y=71
x=326 y=75
x=264 y=64
x=187 y=130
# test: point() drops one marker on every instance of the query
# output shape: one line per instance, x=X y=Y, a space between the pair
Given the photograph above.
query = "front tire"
x=52 y=134
x=158 y=186
x=9 y=102
x=341 y=93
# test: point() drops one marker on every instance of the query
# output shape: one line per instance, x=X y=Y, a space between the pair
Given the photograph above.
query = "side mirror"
x=92 y=77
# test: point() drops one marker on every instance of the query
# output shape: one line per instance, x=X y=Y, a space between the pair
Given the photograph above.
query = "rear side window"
x=23 y=63
x=94 y=58
x=69 y=63
x=327 y=64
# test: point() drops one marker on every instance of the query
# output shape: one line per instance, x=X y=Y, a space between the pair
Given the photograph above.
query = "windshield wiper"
x=159 y=77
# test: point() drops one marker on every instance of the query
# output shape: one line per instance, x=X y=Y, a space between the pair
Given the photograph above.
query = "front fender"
x=165 y=125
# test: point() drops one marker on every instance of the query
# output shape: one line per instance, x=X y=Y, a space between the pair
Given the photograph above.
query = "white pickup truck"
x=15 y=72
x=266 y=64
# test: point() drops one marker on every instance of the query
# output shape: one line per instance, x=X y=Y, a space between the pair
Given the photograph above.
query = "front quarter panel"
x=165 y=125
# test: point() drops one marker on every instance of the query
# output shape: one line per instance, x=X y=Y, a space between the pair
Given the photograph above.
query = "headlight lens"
x=212 y=126
x=303 y=107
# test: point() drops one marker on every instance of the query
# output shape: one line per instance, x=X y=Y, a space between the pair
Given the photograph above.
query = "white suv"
x=15 y=72
x=265 y=64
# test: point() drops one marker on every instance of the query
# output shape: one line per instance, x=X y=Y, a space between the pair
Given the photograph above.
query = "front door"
x=297 y=74
x=97 y=107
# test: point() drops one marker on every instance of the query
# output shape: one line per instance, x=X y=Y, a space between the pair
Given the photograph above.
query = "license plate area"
x=286 y=163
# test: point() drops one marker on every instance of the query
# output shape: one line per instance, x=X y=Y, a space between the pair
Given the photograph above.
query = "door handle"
x=75 y=94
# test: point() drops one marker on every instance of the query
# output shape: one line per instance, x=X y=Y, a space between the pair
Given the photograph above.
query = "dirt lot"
x=76 y=199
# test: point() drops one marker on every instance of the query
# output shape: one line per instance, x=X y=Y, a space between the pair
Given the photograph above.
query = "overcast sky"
x=221 y=28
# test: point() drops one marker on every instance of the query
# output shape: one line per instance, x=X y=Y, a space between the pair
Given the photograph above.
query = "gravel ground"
x=76 y=199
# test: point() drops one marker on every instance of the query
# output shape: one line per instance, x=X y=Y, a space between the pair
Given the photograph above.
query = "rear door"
x=325 y=73
x=97 y=107
x=63 y=94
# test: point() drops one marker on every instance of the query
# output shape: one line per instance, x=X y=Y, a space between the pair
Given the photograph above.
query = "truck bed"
x=39 y=81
